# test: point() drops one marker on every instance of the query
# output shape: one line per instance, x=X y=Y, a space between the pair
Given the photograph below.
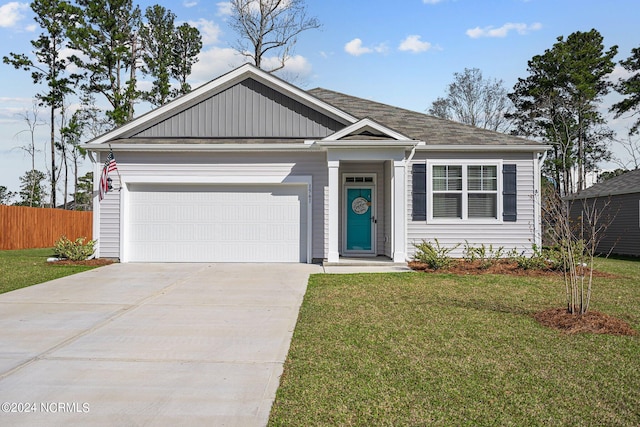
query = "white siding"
x=109 y=232
x=239 y=165
x=388 y=209
x=518 y=234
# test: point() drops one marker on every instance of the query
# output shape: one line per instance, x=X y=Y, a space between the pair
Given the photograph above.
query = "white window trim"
x=464 y=163
x=374 y=204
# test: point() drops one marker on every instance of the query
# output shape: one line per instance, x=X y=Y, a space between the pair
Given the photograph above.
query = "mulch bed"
x=97 y=262
x=556 y=318
x=500 y=267
x=592 y=321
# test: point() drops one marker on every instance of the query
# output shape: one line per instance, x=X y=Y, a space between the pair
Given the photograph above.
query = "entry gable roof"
x=164 y=122
x=366 y=129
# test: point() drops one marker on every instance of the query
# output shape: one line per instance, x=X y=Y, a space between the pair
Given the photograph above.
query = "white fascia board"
x=367 y=143
x=366 y=123
x=219 y=84
x=481 y=148
x=197 y=147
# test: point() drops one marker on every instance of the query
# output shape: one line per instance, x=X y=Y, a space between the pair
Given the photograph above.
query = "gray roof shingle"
x=626 y=183
x=419 y=126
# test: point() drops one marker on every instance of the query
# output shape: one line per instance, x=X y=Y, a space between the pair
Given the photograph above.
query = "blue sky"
x=401 y=52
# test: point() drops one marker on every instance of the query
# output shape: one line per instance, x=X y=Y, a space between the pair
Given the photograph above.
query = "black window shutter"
x=419 y=196
x=509 y=193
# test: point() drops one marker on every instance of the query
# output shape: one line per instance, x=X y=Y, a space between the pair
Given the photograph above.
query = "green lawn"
x=27 y=267
x=422 y=349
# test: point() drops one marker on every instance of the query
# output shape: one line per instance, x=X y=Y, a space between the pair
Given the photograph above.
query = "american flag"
x=109 y=166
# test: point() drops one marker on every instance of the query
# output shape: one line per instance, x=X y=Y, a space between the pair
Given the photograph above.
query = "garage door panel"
x=214 y=223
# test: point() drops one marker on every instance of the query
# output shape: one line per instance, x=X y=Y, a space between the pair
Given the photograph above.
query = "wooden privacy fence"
x=24 y=228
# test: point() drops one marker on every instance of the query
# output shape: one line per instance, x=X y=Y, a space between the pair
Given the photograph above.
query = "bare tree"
x=574 y=228
x=269 y=26
x=632 y=147
x=32 y=121
x=473 y=100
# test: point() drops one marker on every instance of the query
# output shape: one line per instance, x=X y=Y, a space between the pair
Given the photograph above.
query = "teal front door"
x=359 y=220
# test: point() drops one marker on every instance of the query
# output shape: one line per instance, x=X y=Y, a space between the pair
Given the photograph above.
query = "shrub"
x=76 y=250
x=434 y=256
x=485 y=254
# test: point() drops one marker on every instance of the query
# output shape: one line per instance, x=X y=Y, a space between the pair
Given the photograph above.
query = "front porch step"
x=379 y=261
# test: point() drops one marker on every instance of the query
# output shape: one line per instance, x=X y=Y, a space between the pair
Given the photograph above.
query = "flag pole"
x=117 y=170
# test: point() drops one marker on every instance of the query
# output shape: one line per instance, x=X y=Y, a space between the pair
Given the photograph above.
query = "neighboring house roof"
x=626 y=183
x=419 y=126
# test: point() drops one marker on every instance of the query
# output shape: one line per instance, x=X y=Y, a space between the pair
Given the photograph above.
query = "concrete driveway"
x=149 y=344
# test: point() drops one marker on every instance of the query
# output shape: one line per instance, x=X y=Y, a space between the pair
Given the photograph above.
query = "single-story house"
x=618 y=200
x=249 y=168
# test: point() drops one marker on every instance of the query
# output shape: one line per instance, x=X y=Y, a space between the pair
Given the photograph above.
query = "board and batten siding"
x=246 y=110
x=518 y=234
x=215 y=165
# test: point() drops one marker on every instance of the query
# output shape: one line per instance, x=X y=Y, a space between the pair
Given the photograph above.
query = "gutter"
x=485 y=148
x=195 y=147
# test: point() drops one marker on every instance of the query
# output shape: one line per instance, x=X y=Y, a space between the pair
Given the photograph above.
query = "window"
x=464 y=191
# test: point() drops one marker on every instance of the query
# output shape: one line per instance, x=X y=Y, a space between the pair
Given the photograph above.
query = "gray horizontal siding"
x=620 y=216
x=246 y=110
x=218 y=164
x=109 y=238
x=510 y=235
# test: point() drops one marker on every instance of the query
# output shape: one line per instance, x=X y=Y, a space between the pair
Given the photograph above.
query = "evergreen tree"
x=84 y=193
x=107 y=37
x=49 y=66
x=156 y=35
x=5 y=195
x=630 y=88
x=186 y=46
x=558 y=103
x=32 y=193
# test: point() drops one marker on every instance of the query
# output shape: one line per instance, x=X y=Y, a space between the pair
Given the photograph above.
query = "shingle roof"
x=626 y=183
x=419 y=126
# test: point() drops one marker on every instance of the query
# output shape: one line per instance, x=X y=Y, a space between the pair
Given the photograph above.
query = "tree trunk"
x=53 y=157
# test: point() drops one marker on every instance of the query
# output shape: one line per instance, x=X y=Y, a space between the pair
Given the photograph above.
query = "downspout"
x=537 y=226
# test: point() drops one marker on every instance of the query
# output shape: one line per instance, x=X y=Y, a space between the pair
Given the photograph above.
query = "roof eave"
x=196 y=147
x=535 y=148
x=367 y=143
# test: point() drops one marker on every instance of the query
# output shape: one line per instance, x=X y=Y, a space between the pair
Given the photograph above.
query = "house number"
x=360 y=205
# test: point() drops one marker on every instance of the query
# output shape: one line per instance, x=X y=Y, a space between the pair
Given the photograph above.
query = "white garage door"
x=217 y=223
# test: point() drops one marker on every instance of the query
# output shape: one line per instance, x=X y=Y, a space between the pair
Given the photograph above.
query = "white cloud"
x=209 y=30
x=414 y=44
x=619 y=72
x=431 y=1
x=214 y=62
x=490 y=31
x=355 y=48
x=224 y=8
x=188 y=4
x=11 y=13
x=294 y=65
